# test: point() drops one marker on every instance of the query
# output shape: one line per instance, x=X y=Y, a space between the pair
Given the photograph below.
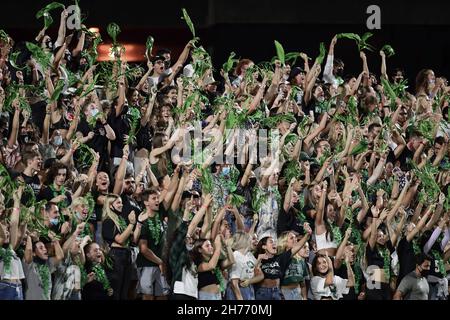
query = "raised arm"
x=120 y=174
x=410 y=236
x=316 y=131
x=308 y=231
x=14 y=222
x=177 y=198
x=383 y=65
x=62 y=29
x=328 y=70
x=199 y=215
x=12 y=140
x=373 y=227
x=216 y=224
x=123 y=237
x=211 y=264
x=341 y=249
x=80 y=45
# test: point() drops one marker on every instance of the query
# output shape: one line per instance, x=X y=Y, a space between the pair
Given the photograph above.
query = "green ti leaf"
x=113 y=31
x=360 y=147
x=58 y=89
x=4 y=37
x=236 y=200
x=390 y=92
x=322 y=53
x=45 y=12
x=42 y=57
x=227 y=66
x=188 y=21
x=280 y=52
x=388 y=50
x=149 y=46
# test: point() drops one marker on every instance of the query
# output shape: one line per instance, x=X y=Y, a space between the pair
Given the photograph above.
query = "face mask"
x=54 y=221
x=339 y=72
x=79 y=216
x=225 y=171
x=116 y=211
x=94 y=112
x=24 y=138
x=431 y=81
x=167 y=64
x=189 y=247
x=321 y=99
x=424 y=273
x=57 y=141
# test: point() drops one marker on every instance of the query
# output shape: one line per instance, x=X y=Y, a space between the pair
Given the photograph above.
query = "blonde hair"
x=282 y=241
x=77 y=202
x=108 y=213
x=241 y=240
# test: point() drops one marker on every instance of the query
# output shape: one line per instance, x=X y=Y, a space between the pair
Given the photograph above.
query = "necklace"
x=154 y=226
x=44 y=275
x=6 y=255
x=100 y=275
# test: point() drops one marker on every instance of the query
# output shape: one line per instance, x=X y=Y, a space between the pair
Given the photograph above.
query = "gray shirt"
x=35 y=285
x=414 y=288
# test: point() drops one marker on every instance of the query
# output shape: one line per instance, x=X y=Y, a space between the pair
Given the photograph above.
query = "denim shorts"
x=10 y=291
x=263 y=293
x=209 y=296
x=248 y=293
x=292 y=294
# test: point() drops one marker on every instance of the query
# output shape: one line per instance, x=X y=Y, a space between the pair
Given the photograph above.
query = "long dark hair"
x=197 y=256
x=314 y=265
x=53 y=172
x=422 y=81
x=259 y=248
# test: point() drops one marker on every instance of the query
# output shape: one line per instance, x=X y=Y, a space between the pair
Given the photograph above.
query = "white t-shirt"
x=188 y=284
x=334 y=291
x=244 y=266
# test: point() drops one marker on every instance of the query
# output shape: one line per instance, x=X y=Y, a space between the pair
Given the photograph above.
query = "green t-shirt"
x=296 y=272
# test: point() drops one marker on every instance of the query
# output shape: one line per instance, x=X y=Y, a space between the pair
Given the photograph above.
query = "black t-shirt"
x=121 y=127
x=402 y=158
x=98 y=208
x=375 y=258
x=434 y=253
x=274 y=268
x=144 y=138
x=129 y=204
x=48 y=194
x=34 y=183
x=109 y=231
x=156 y=246
x=288 y=221
x=406 y=258
x=99 y=143
x=94 y=290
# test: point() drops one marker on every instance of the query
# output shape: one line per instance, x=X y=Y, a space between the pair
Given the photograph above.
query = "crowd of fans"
x=99 y=198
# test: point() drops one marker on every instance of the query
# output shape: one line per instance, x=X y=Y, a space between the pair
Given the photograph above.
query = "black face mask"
x=167 y=64
x=38 y=260
x=24 y=138
x=424 y=273
x=339 y=72
x=116 y=211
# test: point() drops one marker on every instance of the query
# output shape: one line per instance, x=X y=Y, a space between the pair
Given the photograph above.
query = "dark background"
x=417 y=30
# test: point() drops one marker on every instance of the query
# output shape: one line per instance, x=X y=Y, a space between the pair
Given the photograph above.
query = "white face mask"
x=57 y=141
x=321 y=99
x=94 y=112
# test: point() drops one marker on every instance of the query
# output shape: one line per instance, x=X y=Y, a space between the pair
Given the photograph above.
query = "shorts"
x=152 y=282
